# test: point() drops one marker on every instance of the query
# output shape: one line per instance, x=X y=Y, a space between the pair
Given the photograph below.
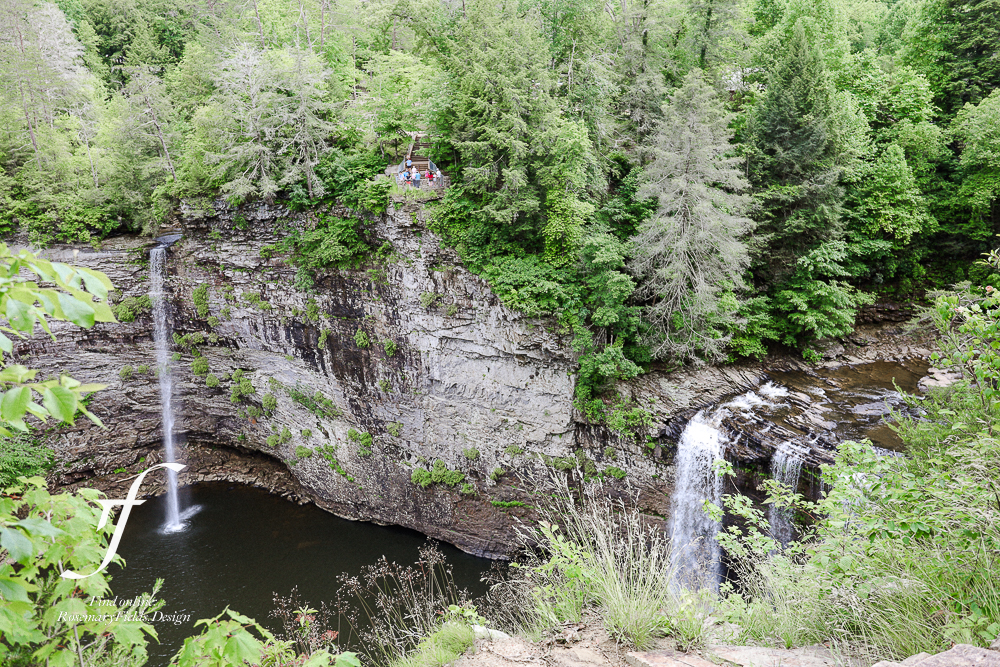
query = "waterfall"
x=696 y=556
x=786 y=465
x=162 y=338
x=695 y=553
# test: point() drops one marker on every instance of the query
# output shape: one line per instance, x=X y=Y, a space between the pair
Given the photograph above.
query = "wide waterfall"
x=161 y=338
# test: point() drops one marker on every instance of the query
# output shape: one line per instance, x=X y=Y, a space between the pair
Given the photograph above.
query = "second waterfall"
x=161 y=339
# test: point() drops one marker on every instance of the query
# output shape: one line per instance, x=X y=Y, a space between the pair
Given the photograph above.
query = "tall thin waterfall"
x=161 y=337
x=786 y=465
x=696 y=554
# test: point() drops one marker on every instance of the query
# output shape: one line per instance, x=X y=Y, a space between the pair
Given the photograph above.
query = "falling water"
x=161 y=338
x=696 y=553
x=786 y=464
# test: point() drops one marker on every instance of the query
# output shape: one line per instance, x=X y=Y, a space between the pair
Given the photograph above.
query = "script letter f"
x=120 y=526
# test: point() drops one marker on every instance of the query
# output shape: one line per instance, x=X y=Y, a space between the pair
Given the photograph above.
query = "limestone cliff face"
x=376 y=372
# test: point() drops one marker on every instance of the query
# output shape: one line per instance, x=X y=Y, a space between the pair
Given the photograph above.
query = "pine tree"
x=690 y=257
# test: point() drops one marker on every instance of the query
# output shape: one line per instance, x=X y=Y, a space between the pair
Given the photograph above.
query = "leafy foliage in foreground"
x=50 y=620
x=904 y=555
x=61 y=292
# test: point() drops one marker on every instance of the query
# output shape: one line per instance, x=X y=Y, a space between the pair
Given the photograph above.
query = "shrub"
x=506 y=504
x=142 y=369
x=438 y=474
x=254 y=300
x=269 y=402
x=318 y=404
x=362 y=440
x=125 y=373
x=211 y=381
x=395 y=429
x=323 y=335
x=451 y=310
x=472 y=453
x=213 y=321
x=384 y=385
x=131 y=307
x=303 y=452
x=307 y=433
x=497 y=474
x=273 y=440
x=20 y=456
x=610 y=453
x=428 y=299
x=199 y=366
x=312 y=310
x=200 y=298
x=286 y=435
x=514 y=450
x=421 y=477
x=176 y=356
x=468 y=489
x=361 y=339
x=617 y=473
x=390 y=347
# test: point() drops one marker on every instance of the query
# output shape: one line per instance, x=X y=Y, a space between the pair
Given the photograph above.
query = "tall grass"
x=592 y=552
x=905 y=556
x=390 y=610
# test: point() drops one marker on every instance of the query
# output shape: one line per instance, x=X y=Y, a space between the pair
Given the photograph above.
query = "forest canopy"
x=676 y=180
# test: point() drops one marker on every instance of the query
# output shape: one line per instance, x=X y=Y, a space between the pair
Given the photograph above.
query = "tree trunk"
x=159 y=132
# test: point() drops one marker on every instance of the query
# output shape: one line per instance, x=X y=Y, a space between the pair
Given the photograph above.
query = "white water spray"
x=697 y=557
x=696 y=553
x=786 y=466
x=161 y=338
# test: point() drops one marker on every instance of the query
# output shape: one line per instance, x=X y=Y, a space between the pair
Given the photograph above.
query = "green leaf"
x=16 y=544
x=97 y=283
x=61 y=403
x=20 y=315
x=37 y=526
x=12 y=588
x=15 y=403
x=347 y=659
x=76 y=311
x=5 y=344
x=242 y=646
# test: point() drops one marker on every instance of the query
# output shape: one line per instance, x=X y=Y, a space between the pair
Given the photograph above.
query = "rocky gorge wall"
x=404 y=364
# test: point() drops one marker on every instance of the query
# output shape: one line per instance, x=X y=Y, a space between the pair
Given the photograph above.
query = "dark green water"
x=243 y=545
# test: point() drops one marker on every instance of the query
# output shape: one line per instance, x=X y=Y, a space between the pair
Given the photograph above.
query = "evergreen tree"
x=690 y=257
x=956 y=43
x=793 y=161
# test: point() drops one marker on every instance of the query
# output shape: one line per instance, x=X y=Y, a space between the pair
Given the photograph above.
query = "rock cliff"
x=337 y=395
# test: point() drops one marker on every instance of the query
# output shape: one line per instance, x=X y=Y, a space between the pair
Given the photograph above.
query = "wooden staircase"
x=418 y=154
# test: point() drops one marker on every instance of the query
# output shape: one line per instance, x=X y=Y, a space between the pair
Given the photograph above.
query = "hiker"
x=429 y=176
x=416 y=178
